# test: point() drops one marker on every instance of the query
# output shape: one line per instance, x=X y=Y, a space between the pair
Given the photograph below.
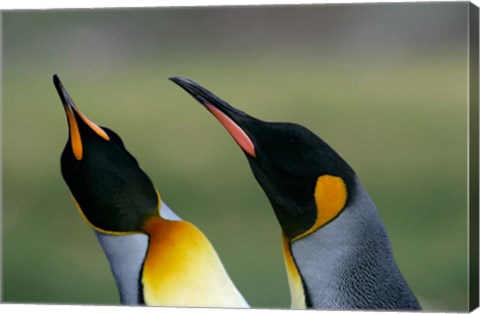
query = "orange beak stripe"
x=235 y=131
x=75 y=138
x=93 y=126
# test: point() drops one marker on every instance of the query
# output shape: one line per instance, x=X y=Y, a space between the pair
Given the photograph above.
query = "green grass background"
x=384 y=84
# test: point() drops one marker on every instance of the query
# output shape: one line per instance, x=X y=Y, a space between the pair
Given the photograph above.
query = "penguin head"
x=112 y=192
x=306 y=181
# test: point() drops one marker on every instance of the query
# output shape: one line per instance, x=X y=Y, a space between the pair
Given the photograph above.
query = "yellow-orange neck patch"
x=297 y=292
x=182 y=268
x=330 y=198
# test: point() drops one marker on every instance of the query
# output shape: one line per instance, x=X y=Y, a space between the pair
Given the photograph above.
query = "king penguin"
x=155 y=257
x=336 y=250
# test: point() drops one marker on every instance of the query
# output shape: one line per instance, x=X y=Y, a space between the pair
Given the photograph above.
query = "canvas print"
x=288 y=156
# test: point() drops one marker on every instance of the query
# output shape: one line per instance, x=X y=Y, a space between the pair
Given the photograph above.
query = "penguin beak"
x=73 y=116
x=227 y=115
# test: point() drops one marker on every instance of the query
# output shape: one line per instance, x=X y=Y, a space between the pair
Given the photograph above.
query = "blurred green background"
x=384 y=84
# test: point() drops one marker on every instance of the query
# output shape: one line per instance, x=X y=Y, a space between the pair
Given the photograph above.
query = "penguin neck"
x=344 y=261
x=181 y=268
x=125 y=268
x=126 y=254
x=167 y=213
x=295 y=281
